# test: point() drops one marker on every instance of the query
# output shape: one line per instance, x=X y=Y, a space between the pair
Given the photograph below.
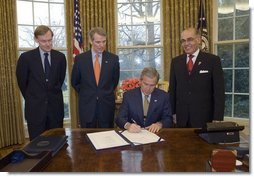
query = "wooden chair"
x=163 y=85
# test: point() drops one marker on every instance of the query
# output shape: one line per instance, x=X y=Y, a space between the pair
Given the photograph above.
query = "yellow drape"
x=11 y=121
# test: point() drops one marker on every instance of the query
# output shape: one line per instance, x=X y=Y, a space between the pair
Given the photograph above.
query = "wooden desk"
x=183 y=151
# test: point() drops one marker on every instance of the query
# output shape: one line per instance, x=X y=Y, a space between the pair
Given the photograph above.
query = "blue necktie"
x=46 y=66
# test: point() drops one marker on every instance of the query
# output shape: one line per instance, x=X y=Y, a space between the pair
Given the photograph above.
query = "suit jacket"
x=198 y=97
x=41 y=99
x=90 y=95
x=132 y=108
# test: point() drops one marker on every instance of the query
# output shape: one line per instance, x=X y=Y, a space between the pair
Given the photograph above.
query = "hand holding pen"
x=134 y=127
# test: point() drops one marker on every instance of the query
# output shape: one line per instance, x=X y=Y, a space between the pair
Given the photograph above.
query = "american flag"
x=77 y=36
x=202 y=27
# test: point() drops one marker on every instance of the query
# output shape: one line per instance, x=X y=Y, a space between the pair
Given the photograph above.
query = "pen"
x=133 y=121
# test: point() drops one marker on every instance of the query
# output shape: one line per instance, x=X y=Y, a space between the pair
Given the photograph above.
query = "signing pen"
x=134 y=121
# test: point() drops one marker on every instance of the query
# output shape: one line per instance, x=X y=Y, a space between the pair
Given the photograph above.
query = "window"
x=139 y=36
x=30 y=14
x=232 y=45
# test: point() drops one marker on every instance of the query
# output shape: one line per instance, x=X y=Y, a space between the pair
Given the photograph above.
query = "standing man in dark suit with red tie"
x=40 y=74
x=197 y=86
x=95 y=76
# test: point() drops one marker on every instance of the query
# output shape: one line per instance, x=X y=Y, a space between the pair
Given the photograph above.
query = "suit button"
x=189 y=93
x=97 y=98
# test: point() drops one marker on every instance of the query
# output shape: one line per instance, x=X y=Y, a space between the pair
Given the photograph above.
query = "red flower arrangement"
x=129 y=84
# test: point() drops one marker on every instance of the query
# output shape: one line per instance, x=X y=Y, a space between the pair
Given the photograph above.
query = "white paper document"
x=106 y=139
x=143 y=137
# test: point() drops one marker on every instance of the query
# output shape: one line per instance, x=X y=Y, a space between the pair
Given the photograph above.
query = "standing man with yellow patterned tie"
x=146 y=106
x=95 y=76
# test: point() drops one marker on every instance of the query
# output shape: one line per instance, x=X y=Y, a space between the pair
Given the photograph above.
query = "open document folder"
x=112 y=138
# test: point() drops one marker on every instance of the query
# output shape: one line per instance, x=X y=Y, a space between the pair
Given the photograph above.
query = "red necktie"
x=190 y=64
x=97 y=69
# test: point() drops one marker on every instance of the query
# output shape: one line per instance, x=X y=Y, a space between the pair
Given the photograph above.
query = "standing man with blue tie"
x=95 y=76
x=196 y=84
x=145 y=107
x=40 y=74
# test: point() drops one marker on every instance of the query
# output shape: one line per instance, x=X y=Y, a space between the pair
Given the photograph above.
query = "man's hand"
x=216 y=121
x=133 y=128
x=154 y=127
x=174 y=118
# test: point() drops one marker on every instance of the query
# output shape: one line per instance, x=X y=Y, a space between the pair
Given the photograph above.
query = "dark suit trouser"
x=36 y=130
x=99 y=120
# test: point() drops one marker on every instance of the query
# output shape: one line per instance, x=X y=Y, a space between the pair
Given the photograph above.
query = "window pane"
x=62 y=1
x=242 y=55
x=124 y=14
x=139 y=35
x=242 y=27
x=25 y=17
x=123 y=1
x=59 y=37
x=57 y=15
x=129 y=74
x=225 y=51
x=140 y=58
x=242 y=81
x=125 y=59
x=153 y=33
x=138 y=13
x=124 y=36
x=225 y=8
x=228 y=80
x=225 y=29
x=241 y=106
x=242 y=7
x=41 y=13
x=228 y=105
x=26 y=37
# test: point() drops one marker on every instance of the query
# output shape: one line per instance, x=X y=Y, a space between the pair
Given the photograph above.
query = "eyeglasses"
x=188 y=40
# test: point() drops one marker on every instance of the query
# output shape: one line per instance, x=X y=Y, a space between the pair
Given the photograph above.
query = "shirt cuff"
x=126 y=125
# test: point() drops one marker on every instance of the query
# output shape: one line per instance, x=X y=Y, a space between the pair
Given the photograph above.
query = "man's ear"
x=90 y=41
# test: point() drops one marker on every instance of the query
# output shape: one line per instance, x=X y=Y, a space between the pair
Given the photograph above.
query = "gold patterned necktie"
x=97 y=69
x=145 y=105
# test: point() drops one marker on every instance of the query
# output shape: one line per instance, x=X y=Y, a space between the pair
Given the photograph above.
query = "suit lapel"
x=53 y=64
x=38 y=65
x=153 y=102
x=183 y=65
x=139 y=104
x=88 y=67
x=197 y=63
x=104 y=67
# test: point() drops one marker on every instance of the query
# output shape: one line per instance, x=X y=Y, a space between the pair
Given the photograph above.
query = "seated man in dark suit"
x=145 y=107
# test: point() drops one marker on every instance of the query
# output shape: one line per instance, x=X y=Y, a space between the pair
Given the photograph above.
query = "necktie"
x=46 y=66
x=190 y=64
x=97 y=69
x=145 y=105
